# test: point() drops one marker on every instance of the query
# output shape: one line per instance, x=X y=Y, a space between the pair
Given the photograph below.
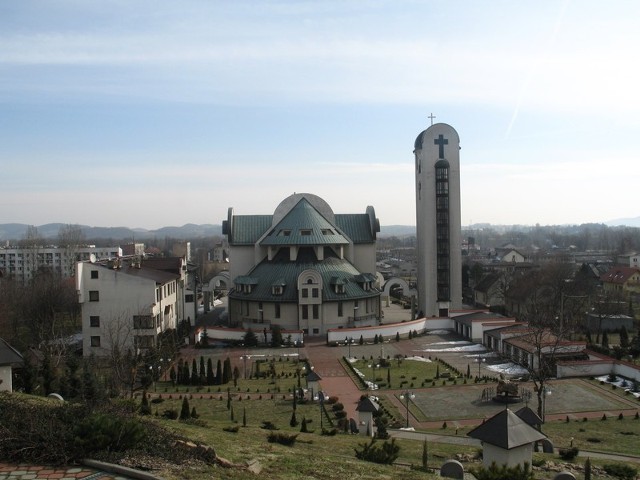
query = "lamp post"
x=373 y=367
x=407 y=396
x=349 y=341
x=546 y=391
x=298 y=344
x=321 y=399
x=480 y=361
x=244 y=358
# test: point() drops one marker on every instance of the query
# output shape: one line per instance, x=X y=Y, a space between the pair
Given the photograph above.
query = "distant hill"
x=17 y=231
x=397 y=230
x=629 y=222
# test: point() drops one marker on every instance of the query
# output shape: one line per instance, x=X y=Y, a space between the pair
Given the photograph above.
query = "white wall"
x=237 y=334
x=513 y=457
x=6 y=384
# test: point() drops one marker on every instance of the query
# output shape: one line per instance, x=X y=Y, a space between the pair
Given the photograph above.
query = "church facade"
x=438 y=219
x=303 y=268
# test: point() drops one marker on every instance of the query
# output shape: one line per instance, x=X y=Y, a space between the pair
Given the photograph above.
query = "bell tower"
x=437 y=157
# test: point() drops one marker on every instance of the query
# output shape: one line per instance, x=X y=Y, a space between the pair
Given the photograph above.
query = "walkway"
x=96 y=471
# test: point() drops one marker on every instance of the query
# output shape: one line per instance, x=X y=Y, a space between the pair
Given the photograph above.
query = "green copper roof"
x=304 y=225
x=356 y=226
x=333 y=271
x=247 y=229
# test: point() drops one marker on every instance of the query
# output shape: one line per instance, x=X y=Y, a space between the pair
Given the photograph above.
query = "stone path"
x=31 y=472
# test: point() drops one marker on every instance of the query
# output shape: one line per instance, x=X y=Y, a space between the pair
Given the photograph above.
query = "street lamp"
x=407 y=396
x=480 y=361
x=546 y=391
x=349 y=341
x=373 y=367
x=245 y=358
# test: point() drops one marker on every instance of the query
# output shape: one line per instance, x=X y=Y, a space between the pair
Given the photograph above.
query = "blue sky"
x=154 y=113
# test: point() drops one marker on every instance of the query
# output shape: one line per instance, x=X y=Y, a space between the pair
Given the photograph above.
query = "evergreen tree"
x=29 y=376
x=90 y=388
x=186 y=378
x=303 y=426
x=250 y=339
x=195 y=378
x=605 y=339
x=219 y=373
x=145 y=408
x=293 y=422
x=375 y=340
x=276 y=336
x=185 y=411
x=389 y=377
x=468 y=371
x=194 y=414
x=236 y=375
x=73 y=381
x=202 y=371
x=437 y=371
x=624 y=338
x=211 y=379
x=179 y=376
x=172 y=374
x=48 y=376
x=587 y=469
x=244 y=417
x=226 y=371
x=397 y=336
x=589 y=341
x=361 y=341
x=425 y=455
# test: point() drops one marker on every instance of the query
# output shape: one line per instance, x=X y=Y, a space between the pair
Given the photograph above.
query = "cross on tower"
x=431 y=117
x=441 y=142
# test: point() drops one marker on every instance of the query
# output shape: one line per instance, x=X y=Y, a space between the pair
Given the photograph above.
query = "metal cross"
x=441 y=142
x=431 y=117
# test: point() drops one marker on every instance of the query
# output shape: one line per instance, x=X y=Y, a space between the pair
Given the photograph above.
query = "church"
x=303 y=268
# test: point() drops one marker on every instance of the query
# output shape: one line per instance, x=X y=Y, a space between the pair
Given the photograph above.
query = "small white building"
x=9 y=359
x=506 y=440
x=125 y=305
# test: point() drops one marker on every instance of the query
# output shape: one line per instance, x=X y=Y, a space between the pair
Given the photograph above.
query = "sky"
x=154 y=113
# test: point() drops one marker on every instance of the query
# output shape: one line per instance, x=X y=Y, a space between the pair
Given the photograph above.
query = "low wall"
x=389 y=330
x=237 y=334
x=598 y=365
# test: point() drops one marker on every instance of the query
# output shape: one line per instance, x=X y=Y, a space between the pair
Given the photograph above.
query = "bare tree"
x=31 y=244
x=70 y=238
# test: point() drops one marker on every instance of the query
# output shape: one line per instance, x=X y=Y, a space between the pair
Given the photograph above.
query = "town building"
x=621 y=280
x=303 y=268
x=126 y=304
x=437 y=166
x=24 y=262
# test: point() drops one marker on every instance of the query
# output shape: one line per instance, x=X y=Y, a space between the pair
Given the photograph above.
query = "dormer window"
x=284 y=233
x=276 y=290
x=305 y=232
x=339 y=288
x=327 y=231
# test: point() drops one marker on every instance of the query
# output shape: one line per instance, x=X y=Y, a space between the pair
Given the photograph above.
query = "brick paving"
x=33 y=472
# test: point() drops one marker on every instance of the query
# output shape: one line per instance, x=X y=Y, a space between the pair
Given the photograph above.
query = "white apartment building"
x=22 y=262
x=126 y=305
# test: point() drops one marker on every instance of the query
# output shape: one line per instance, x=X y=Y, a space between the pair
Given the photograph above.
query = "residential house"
x=125 y=305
